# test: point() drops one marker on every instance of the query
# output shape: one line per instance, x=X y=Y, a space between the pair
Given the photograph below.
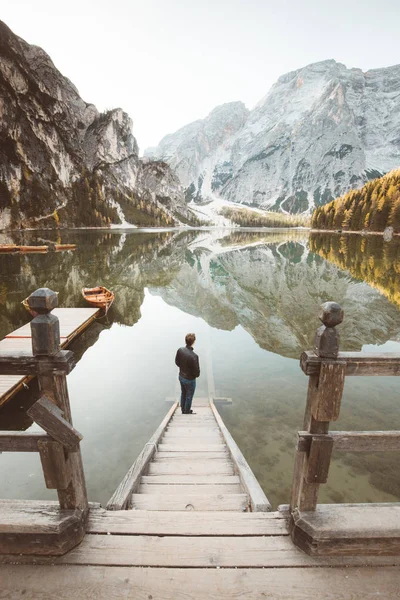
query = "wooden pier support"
x=320 y=529
x=59 y=449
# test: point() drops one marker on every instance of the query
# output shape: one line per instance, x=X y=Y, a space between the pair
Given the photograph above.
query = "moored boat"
x=65 y=247
x=33 y=248
x=8 y=248
x=99 y=296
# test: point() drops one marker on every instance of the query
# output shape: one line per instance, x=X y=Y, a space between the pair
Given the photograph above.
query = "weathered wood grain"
x=357 y=363
x=55 y=465
x=38 y=528
x=258 y=500
x=190 y=479
x=210 y=467
x=200 y=552
x=182 y=501
x=20 y=441
x=114 y=583
x=356 y=441
x=153 y=488
x=190 y=455
x=50 y=417
x=182 y=523
x=121 y=497
x=187 y=446
x=348 y=529
x=319 y=459
x=327 y=400
x=23 y=363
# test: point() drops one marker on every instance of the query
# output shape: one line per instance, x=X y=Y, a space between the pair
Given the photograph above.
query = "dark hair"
x=190 y=339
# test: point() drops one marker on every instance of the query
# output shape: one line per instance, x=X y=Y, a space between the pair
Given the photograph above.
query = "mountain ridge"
x=320 y=131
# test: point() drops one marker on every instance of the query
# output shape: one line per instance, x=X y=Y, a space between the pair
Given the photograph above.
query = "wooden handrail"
x=327 y=369
x=357 y=363
x=20 y=441
x=24 y=363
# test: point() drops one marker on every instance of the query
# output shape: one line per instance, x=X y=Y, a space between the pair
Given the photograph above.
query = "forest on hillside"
x=372 y=208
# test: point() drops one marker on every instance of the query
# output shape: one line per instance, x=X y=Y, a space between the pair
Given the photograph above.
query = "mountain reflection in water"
x=252 y=298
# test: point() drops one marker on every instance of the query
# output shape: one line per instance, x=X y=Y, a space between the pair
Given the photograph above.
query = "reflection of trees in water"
x=237 y=238
x=124 y=263
x=368 y=258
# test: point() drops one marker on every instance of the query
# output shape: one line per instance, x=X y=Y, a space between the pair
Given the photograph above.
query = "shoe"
x=190 y=412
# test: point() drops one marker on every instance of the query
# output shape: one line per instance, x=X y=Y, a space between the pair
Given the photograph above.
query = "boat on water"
x=33 y=248
x=9 y=248
x=99 y=296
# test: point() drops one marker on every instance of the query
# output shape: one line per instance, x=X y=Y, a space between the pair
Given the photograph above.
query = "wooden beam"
x=258 y=500
x=56 y=468
x=121 y=497
x=23 y=363
x=355 y=441
x=327 y=400
x=319 y=459
x=47 y=414
x=357 y=363
x=20 y=441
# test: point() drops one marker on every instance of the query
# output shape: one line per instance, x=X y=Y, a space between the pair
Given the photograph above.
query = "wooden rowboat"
x=8 y=248
x=65 y=247
x=33 y=248
x=99 y=296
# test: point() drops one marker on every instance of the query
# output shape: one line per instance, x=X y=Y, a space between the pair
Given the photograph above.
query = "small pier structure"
x=73 y=321
x=189 y=519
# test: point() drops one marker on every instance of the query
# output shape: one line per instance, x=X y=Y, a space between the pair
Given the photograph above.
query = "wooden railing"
x=327 y=369
x=59 y=447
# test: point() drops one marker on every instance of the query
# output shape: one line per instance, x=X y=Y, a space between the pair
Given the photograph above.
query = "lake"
x=252 y=299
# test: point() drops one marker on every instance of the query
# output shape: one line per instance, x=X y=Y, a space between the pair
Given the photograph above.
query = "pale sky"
x=170 y=62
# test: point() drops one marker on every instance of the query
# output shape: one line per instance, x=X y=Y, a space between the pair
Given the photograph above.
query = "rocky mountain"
x=320 y=131
x=62 y=163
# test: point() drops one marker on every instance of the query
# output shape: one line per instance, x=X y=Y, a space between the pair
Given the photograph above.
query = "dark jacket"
x=188 y=362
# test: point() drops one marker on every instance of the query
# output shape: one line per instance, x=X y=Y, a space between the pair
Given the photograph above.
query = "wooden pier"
x=73 y=321
x=189 y=520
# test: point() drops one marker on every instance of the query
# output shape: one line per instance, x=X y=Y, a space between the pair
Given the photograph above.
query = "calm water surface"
x=252 y=299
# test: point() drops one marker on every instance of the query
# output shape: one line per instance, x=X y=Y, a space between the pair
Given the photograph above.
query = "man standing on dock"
x=188 y=362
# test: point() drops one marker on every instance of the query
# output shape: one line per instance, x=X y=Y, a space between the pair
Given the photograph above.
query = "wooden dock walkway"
x=191 y=463
x=73 y=321
x=189 y=521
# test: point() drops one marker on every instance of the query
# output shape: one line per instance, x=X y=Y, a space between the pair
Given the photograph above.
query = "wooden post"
x=323 y=405
x=45 y=329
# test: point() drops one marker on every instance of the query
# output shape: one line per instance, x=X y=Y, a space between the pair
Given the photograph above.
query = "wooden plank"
x=191 y=455
x=319 y=460
x=136 y=522
x=190 y=479
x=201 y=551
x=327 y=400
x=357 y=363
x=114 y=583
x=153 y=488
x=20 y=441
x=258 y=500
x=23 y=363
x=356 y=441
x=348 y=529
x=129 y=484
x=209 y=467
x=182 y=501
x=50 y=418
x=187 y=446
x=31 y=527
x=56 y=468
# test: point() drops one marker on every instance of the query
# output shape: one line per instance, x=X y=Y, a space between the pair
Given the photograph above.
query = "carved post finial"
x=326 y=343
x=45 y=327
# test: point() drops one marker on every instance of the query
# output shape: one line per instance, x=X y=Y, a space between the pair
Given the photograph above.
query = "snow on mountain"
x=320 y=131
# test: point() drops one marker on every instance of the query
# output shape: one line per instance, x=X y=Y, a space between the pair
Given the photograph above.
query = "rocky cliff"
x=62 y=163
x=320 y=131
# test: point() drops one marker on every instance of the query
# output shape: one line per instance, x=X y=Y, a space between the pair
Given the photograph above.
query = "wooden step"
x=190 y=479
x=110 y=583
x=191 y=523
x=192 y=455
x=153 y=488
x=185 y=501
x=187 y=446
x=177 y=467
x=200 y=552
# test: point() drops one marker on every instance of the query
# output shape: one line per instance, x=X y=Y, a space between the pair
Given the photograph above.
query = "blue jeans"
x=188 y=387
